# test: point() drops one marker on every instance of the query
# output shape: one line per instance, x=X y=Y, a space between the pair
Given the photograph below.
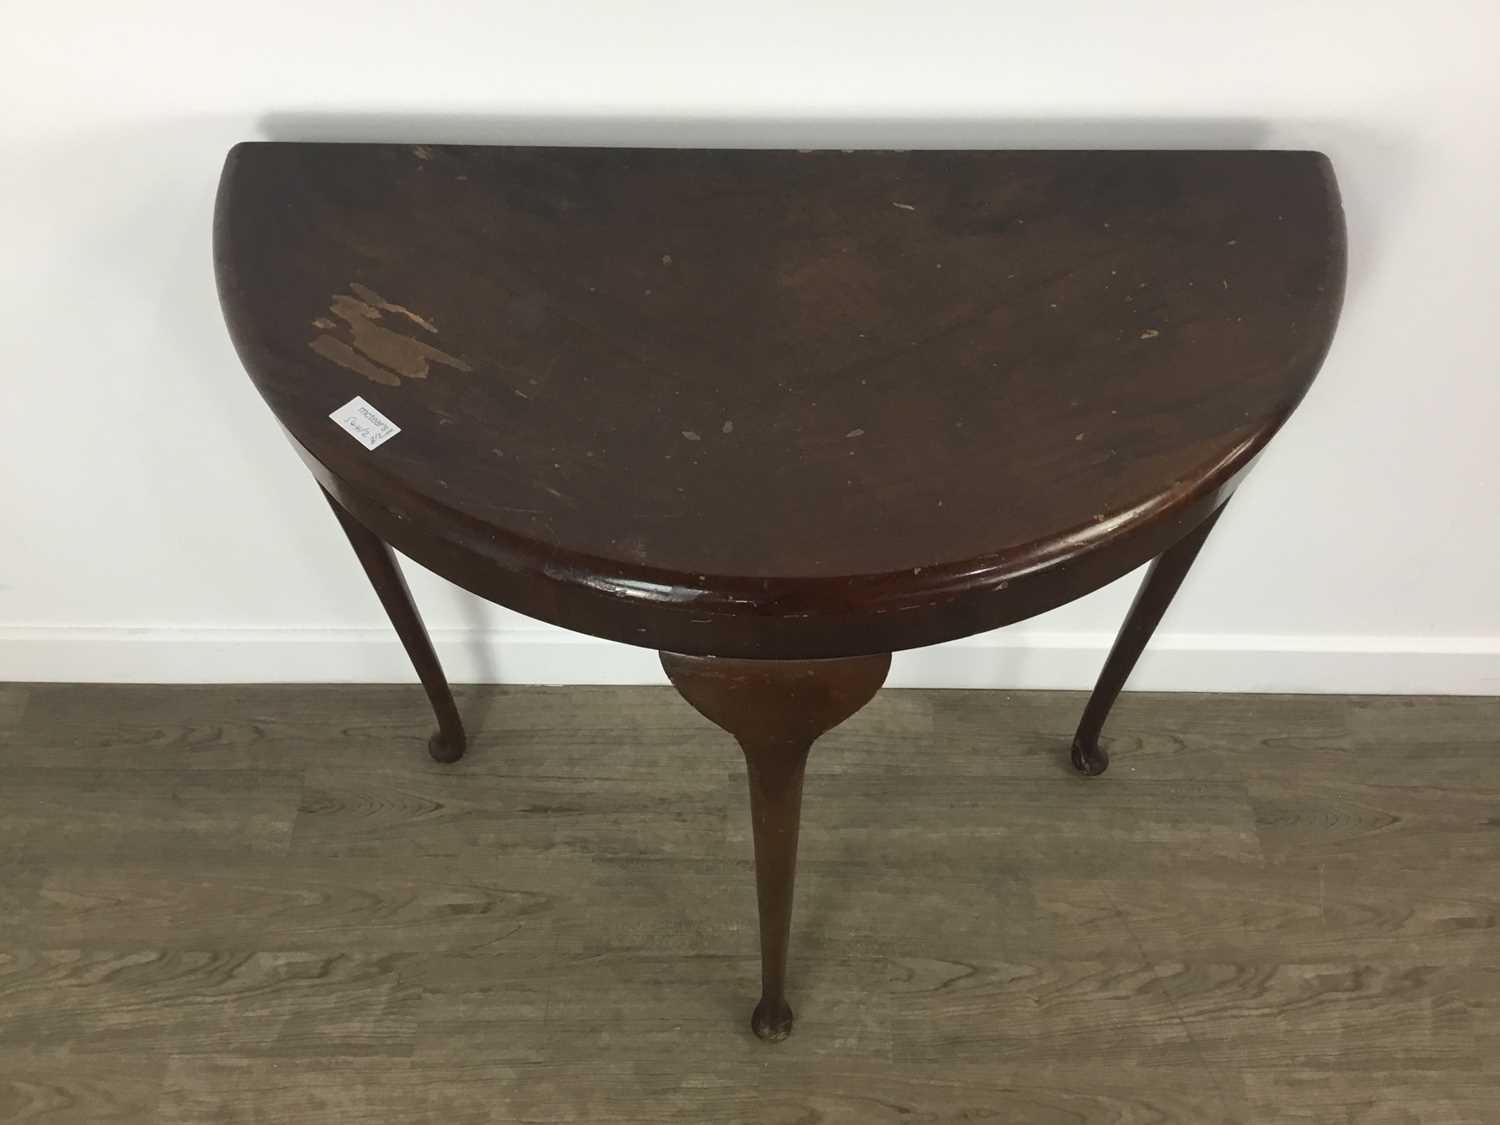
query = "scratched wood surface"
x=227 y=904
x=963 y=387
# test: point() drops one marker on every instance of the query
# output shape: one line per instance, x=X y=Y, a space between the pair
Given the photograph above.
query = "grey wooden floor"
x=267 y=905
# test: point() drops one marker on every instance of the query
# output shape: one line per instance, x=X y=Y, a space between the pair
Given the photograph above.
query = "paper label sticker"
x=367 y=425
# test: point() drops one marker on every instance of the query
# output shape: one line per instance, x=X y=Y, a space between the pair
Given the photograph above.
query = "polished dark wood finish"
x=446 y=743
x=1156 y=592
x=775 y=709
x=228 y=903
x=780 y=406
x=961 y=387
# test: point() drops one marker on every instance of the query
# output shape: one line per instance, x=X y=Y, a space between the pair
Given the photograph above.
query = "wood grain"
x=1344 y=1015
x=159 y=814
x=264 y=904
x=684 y=1088
x=1002 y=1010
x=990 y=823
x=1409 y=826
x=203 y=1002
x=42 y=1088
x=1392 y=1097
x=190 y=726
x=13 y=699
x=227 y=904
x=454 y=813
x=1252 y=911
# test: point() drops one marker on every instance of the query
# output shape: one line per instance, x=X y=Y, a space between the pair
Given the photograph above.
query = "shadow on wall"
x=684 y=131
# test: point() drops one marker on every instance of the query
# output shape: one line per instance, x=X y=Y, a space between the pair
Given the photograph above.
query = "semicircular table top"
x=801 y=395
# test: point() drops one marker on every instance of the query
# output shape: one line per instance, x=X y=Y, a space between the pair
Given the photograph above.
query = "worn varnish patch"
x=380 y=354
x=370 y=297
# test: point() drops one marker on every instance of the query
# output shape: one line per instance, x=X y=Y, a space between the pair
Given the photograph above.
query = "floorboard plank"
x=459 y=814
x=13 y=700
x=189 y=1002
x=162 y=816
x=1346 y=1016
x=50 y=1089
x=687 y=1086
x=948 y=825
x=1409 y=1096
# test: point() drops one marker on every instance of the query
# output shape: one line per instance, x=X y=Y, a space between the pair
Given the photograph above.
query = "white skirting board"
x=542 y=655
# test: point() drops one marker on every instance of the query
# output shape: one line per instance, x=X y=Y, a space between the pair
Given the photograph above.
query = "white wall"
x=155 y=526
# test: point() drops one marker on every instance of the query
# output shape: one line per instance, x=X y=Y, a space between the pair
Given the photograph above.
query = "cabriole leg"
x=1151 y=601
x=447 y=744
x=775 y=709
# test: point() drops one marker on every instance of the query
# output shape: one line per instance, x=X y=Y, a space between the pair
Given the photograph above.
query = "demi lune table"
x=778 y=414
